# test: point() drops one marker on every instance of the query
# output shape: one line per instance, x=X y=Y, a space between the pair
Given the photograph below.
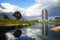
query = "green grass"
x=15 y=23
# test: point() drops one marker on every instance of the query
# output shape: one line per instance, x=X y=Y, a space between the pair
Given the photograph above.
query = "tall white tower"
x=44 y=14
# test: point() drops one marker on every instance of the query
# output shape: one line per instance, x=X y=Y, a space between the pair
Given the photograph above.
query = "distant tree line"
x=4 y=16
x=16 y=14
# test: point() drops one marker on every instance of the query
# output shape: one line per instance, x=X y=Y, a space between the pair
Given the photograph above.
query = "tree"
x=4 y=16
x=17 y=15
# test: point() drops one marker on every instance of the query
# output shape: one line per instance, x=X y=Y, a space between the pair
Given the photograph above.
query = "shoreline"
x=56 y=29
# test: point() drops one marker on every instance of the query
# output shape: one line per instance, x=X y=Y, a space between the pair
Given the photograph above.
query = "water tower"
x=45 y=24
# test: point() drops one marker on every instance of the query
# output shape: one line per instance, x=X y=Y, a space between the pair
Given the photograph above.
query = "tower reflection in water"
x=45 y=23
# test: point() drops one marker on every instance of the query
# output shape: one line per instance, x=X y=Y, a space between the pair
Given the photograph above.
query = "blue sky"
x=21 y=3
x=31 y=7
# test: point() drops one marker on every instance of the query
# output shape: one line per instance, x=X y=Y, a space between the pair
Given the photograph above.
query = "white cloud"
x=47 y=2
x=10 y=8
x=34 y=10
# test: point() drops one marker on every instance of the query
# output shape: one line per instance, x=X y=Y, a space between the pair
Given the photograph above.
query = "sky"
x=21 y=3
x=31 y=7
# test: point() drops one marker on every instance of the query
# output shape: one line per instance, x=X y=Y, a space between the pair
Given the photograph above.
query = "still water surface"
x=35 y=32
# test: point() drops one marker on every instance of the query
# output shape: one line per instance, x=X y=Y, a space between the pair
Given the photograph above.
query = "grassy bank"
x=15 y=23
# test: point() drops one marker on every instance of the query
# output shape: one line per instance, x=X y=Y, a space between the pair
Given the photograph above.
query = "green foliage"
x=17 y=15
x=12 y=22
x=4 y=16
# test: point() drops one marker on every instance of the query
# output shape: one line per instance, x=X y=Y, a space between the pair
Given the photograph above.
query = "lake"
x=35 y=33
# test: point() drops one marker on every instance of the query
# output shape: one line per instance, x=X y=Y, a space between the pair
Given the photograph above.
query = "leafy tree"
x=17 y=15
x=4 y=16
